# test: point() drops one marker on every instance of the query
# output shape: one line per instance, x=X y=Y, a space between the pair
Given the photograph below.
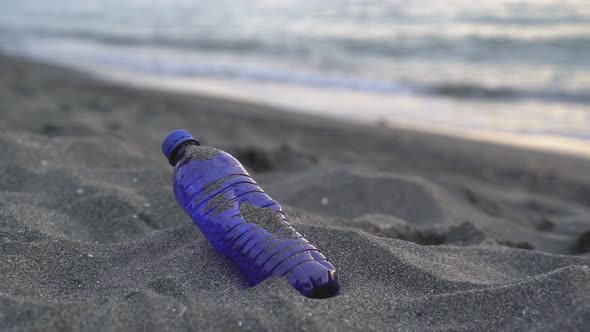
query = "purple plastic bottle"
x=243 y=222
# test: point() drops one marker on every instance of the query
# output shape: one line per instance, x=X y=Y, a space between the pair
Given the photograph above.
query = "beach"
x=428 y=232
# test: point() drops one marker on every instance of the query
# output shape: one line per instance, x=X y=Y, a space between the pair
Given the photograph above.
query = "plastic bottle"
x=243 y=222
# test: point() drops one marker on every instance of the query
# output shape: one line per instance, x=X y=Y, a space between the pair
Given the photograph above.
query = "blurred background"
x=514 y=71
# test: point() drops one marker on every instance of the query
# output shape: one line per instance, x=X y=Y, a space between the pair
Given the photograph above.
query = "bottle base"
x=314 y=279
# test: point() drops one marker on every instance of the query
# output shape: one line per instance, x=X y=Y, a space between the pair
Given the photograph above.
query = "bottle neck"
x=178 y=153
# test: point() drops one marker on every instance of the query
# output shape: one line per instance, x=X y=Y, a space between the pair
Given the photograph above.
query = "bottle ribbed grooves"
x=215 y=206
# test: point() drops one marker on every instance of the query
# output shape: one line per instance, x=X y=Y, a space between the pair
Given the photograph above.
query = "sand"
x=427 y=232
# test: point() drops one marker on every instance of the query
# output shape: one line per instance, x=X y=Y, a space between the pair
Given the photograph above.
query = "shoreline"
x=231 y=91
x=326 y=108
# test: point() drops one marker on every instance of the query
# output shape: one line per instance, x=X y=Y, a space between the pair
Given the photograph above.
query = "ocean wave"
x=470 y=91
x=558 y=50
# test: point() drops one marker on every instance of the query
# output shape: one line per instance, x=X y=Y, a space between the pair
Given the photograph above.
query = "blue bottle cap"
x=174 y=140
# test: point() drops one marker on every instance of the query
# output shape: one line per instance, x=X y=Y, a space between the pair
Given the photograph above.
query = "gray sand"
x=268 y=219
x=220 y=203
x=427 y=232
x=201 y=152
